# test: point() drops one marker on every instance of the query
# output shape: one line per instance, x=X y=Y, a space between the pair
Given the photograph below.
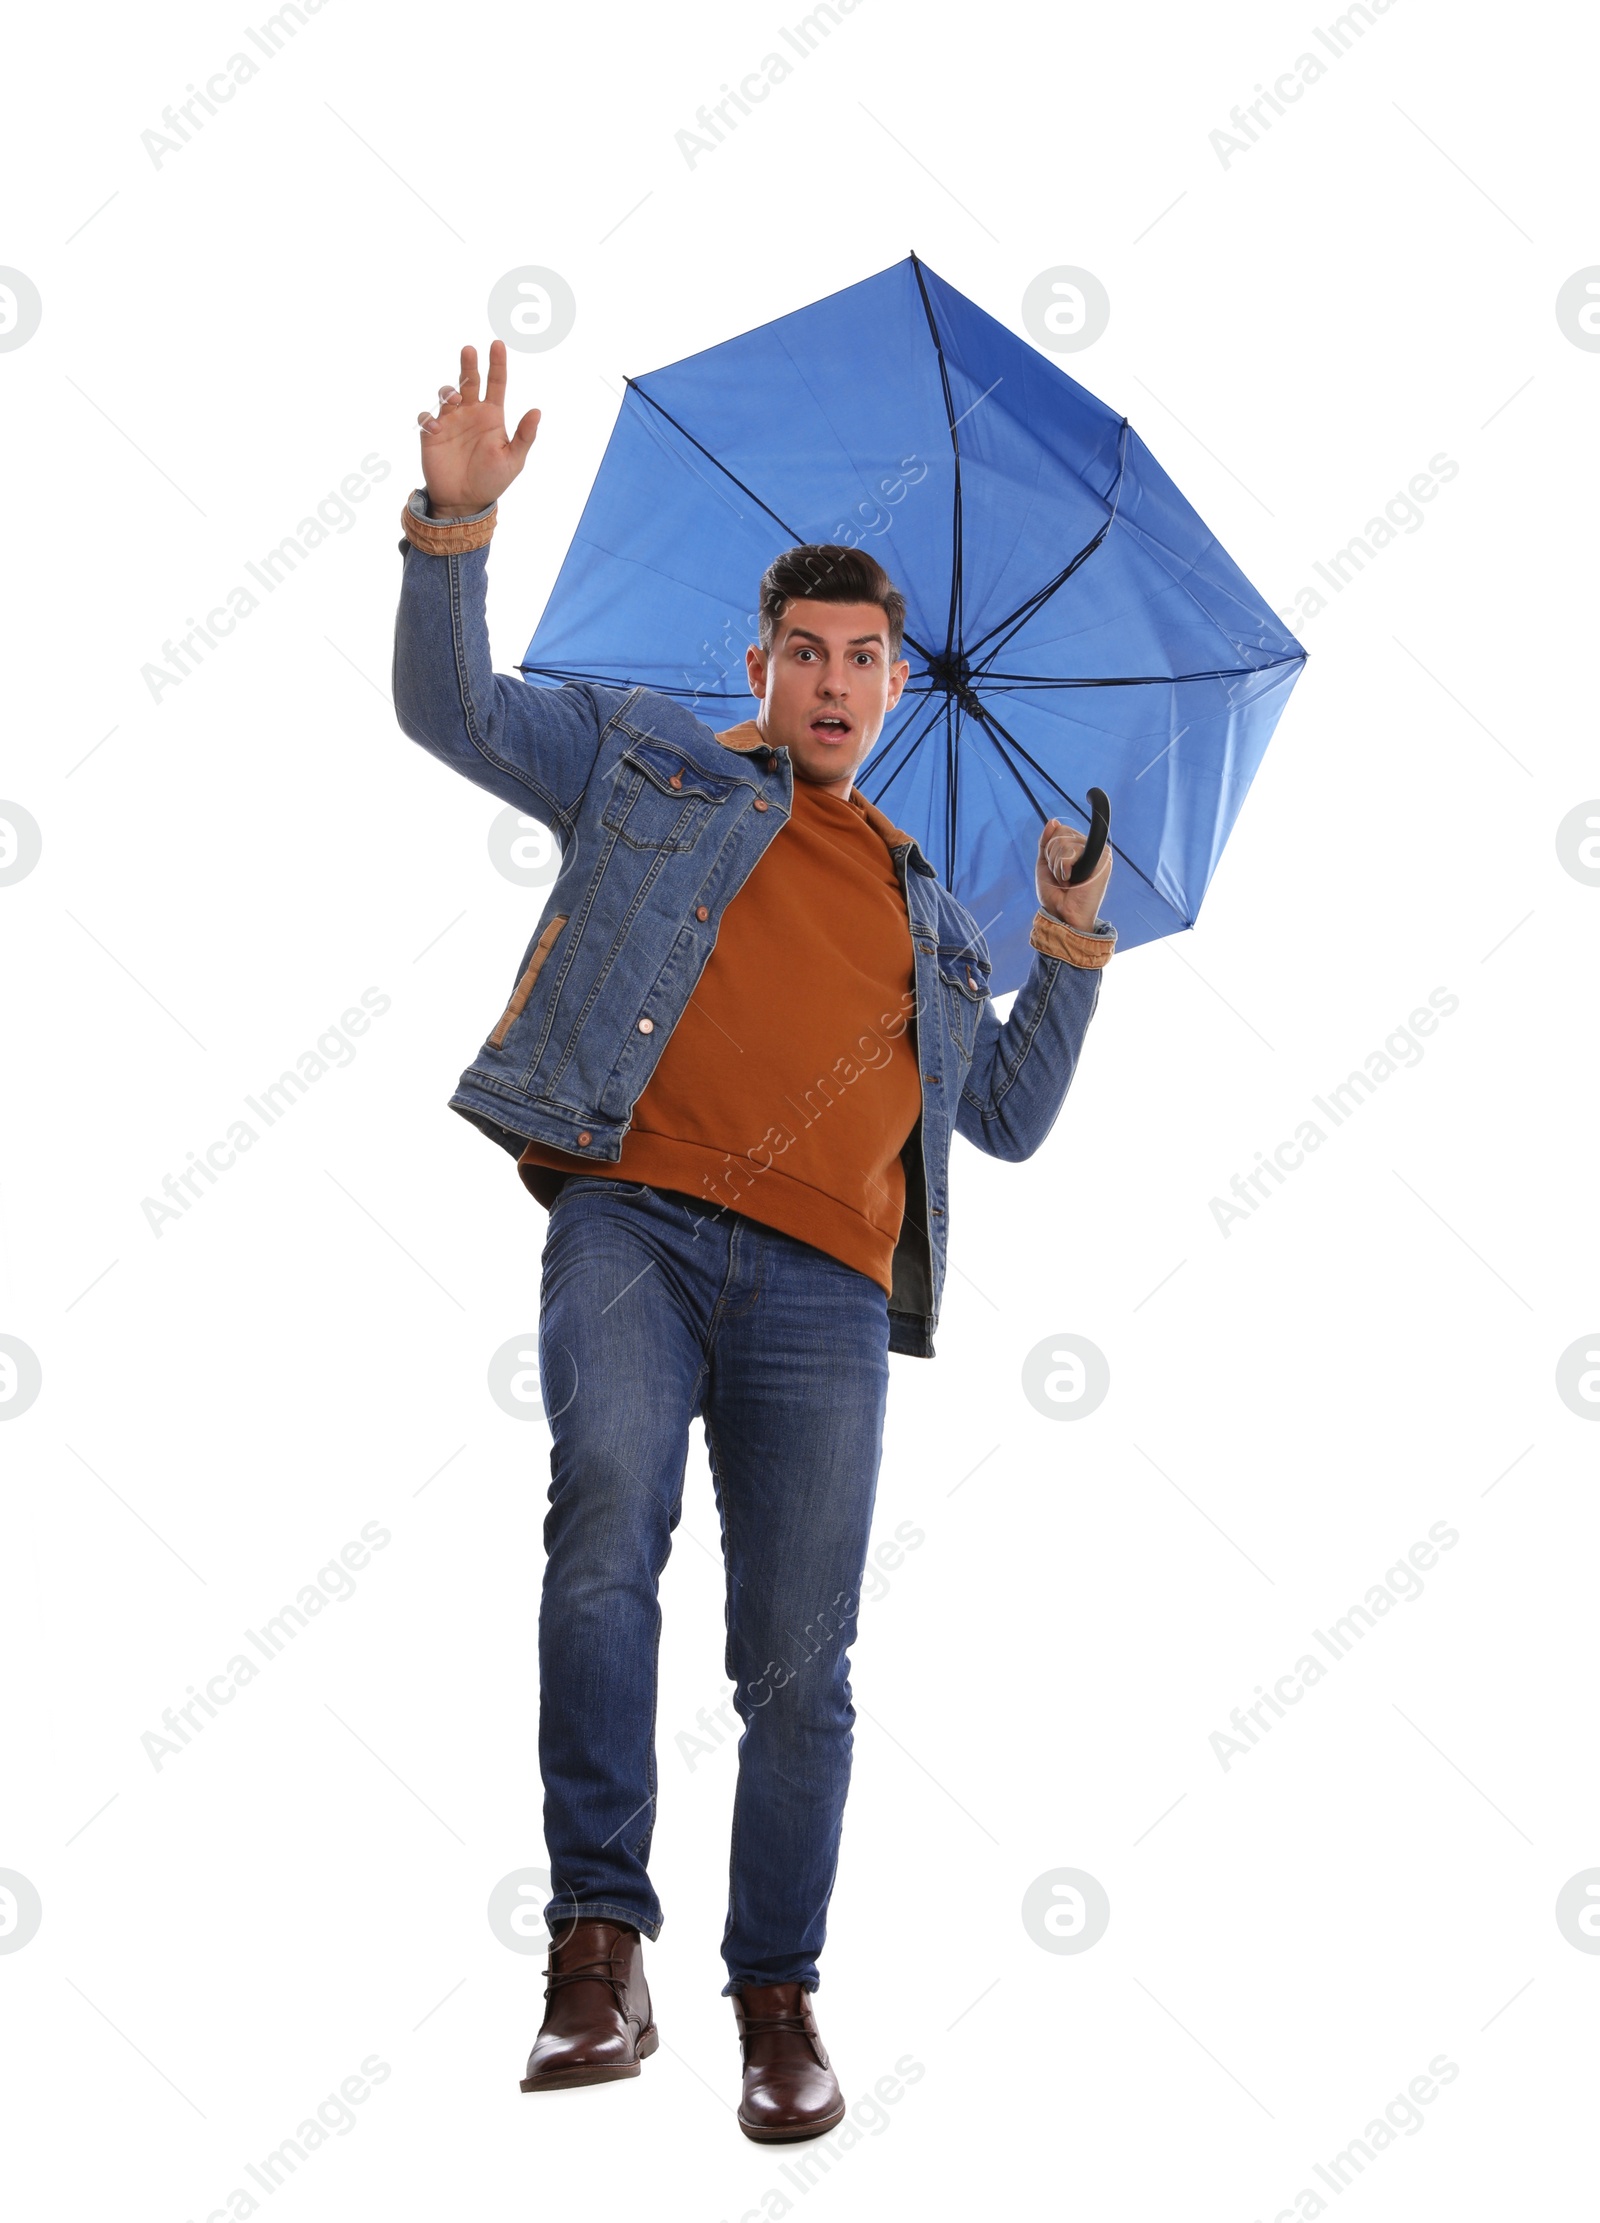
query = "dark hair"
x=822 y=572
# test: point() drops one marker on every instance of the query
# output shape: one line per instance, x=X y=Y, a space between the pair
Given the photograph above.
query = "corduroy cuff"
x=445 y=536
x=1089 y=949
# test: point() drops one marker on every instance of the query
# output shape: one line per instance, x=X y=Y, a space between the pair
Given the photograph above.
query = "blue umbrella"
x=1070 y=620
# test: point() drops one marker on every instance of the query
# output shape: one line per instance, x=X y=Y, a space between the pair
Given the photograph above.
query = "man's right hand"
x=467 y=461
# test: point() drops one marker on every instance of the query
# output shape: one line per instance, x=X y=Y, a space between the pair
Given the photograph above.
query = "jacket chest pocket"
x=659 y=799
x=964 y=984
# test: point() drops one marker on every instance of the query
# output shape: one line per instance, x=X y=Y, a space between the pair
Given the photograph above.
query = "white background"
x=1292 y=1405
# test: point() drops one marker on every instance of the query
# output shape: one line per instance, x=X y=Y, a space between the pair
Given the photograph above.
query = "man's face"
x=826 y=687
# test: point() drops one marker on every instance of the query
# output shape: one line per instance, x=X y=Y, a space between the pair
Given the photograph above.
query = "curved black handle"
x=1099 y=828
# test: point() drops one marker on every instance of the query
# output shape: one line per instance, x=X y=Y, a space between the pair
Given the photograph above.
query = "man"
x=746 y=1025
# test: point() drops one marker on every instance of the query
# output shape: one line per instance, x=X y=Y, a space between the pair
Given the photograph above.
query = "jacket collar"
x=746 y=737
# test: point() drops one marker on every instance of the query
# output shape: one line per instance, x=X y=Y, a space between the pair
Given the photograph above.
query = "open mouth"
x=830 y=727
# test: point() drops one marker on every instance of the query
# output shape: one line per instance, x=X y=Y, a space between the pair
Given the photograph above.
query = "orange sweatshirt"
x=790 y=1085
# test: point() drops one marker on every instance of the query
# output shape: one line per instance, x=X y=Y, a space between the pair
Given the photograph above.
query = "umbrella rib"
x=566 y=674
x=734 y=480
x=750 y=492
x=732 y=476
x=911 y=740
x=953 y=622
x=998 y=731
x=950 y=730
x=1036 y=601
x=1137 y=679
x=1010 y=627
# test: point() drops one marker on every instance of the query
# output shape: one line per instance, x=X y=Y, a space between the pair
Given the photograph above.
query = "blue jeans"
x=656 y=1307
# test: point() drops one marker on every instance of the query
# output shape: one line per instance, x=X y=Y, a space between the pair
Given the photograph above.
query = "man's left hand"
x=1060 y=847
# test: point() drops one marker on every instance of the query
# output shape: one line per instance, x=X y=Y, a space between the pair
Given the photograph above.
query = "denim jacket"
x=660 y=824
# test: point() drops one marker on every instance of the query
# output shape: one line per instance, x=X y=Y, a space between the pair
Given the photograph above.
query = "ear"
x=755 y=665
x=899 y=673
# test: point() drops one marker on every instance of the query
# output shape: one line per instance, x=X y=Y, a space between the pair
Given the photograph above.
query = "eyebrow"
x=857 y=640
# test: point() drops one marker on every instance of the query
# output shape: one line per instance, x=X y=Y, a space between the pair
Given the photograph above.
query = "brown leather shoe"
x=597 y=2021
x=790 y=2090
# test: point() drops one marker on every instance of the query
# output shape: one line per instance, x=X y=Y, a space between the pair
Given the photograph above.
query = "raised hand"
x=467 y=460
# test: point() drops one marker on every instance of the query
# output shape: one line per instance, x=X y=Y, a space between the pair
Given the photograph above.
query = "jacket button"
x=930 y=1076
x=701 y=912
x=761 y=802
x=676 y=780
x=585 y=1138
x=647 y=1026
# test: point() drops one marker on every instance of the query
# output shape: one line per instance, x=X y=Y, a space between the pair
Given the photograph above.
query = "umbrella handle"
x=1099 y=828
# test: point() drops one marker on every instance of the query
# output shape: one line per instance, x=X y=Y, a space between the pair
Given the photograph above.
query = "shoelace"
x=598 y=1971
x=758 y=2025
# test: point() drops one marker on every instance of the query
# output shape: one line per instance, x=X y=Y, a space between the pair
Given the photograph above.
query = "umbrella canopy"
x=1070 y=621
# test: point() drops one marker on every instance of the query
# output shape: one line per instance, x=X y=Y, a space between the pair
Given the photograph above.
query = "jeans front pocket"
x=582 y=1181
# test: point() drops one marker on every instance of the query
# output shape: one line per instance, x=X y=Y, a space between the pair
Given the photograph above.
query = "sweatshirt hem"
x=769 y=1195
